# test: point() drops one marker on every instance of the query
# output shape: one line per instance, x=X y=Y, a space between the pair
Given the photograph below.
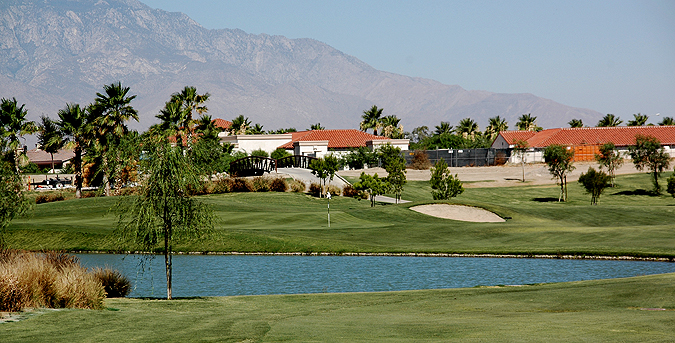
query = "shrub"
x=349 y=191
x=334 y=190
x=278 y=184
x=128 y=191
x=297 y=186
x=261 y=184
x=280 y=153
x=88 y=194
x=49 y=197
x=420 y=160
x=239 y=184
x=114 y=283
x=221 y=186
x=260 y=152
x=314 y=189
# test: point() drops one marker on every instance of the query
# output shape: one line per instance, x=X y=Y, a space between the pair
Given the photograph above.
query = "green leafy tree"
x=13 y=201
x=164 y=209
x=372 y=186
x=527 y=122
x=359 y=157
x=609 y=158
x=280 y=153
x=638 y=120
x=13 y=126
x=74 y=125
x=325 y=169
x=371 y=119
x=647 y=153
x=595 y=183
x=495 y=126
x=560 y=162
x=50 y=138
x=576 y=123
x=520 y=148
x=671 y=185
x=609 y=120
x=394 y=163
x=443 y=183
x=667 y=121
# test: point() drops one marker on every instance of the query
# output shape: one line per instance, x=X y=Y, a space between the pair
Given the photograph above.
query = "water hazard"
x=224 y=275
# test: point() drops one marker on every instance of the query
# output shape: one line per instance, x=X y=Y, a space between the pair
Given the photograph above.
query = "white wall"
x=248 y=143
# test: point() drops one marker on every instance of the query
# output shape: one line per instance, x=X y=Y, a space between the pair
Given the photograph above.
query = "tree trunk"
x=167 y=262
x=78 y=172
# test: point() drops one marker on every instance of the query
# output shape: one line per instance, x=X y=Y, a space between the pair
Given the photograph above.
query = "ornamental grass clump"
x=297 y=186
x=278 y=184
x=114 y=283
x=261 y=184
x=46 y=280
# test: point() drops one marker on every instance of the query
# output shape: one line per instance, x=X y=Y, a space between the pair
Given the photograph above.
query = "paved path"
x=305 y=175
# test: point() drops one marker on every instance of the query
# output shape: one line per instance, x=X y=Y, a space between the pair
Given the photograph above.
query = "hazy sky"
x=610 y=56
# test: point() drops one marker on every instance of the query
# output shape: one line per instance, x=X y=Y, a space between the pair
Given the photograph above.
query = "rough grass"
x=640 y=309
x=626 y=221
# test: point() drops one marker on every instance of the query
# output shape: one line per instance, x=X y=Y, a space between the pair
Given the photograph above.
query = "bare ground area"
x=498 y=176
x=459 y=212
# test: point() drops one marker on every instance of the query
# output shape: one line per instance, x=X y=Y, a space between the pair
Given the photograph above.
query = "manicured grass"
x=626 y=222
x=619 y=310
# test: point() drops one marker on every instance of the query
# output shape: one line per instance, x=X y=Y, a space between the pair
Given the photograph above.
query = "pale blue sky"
x=610 y=56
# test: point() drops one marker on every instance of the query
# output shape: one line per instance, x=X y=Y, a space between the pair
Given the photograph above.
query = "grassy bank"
x=627 y=221
x=620 y=310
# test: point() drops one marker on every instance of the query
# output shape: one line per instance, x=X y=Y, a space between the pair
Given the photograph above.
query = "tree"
x=279 y=153
x=667 y=121
x=324 y=168
x=495 y=126
x=390 y=127
x=671 y=185
x=13 y=126
x=371 y=119
x=520 y=148
x=13 y=201
x=76 y=129
x=164 y=208
x=467 y=127
x=610 y=159
x=394 y=163
x=49 y=137
x=443 y=183
x=239 y=125
x=638 y=120
x=207 y=154
x=559 y=161
x=527 y=122
x=359 y=157
x=419 y=134
x=576 y=123
x=190 y=103
x=372 y=186
x=609 y=120
x=317 y=126
x=595 y=183
x=444 y=127
x=647 y=153
x=110 y=111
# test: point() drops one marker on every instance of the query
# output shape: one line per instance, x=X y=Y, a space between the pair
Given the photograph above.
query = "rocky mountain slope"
x=58 y=51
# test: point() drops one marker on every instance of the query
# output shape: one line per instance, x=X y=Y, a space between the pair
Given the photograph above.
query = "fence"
x=465 y=157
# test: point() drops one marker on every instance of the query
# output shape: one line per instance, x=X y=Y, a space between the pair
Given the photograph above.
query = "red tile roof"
x=337 y=139
x=222 y=123
x=621 y=136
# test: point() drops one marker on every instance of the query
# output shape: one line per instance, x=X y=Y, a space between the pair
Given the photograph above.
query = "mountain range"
x=53 y=52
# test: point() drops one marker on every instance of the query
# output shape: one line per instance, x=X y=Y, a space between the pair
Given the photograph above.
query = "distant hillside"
x=58 y=51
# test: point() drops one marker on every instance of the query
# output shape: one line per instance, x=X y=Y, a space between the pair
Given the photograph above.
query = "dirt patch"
x=459 y=212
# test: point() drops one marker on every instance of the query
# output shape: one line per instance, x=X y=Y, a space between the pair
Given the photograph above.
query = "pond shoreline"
x=412 y=254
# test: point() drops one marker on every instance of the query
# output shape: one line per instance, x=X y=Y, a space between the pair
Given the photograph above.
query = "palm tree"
x=13 y=126
x=109 y=113
x=49 y=137
x=371 y=119
x=256 y=129
x=444 y=127
x=191 y=104
x=638 y=120
x=239 y=125
x=527 y=122
x=74 y=125
x=317 y=126
x=495 y=126
x=576 y=123
x=609 y=120
x=390 y=127
x=467 y=127
x=667 y=121
x=170 y=117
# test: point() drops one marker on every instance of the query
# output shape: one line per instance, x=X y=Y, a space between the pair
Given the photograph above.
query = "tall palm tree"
x=667 y=121
x=371 y=119
x=76 y=129
x=239 y=125
x=317 y=126
x=609 y=120
x=170 y=117
x=13 y=126
x=576 y=123
x=467 y=127
x=109 y=113
x=50 y=138
x=527 y=122
x=191 y=103
x=444 y=127
x=389 y=126
x=495 y=126
x=638 y=120
x=256 y=129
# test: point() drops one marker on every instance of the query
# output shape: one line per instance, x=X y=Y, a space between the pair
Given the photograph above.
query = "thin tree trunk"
x=167 y=262
x=78 y=172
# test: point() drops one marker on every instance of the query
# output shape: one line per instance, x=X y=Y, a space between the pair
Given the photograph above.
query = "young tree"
x=443 y=183
x=559 y=161
x=164 y=209
x=520 y=148
x=595 y=183
x=394 y=163
x=13 y=202
x=671 y=185
x=50 y=138
x=325 y=169
x=372 y=186
x=13 y=126
x=610 y=159
x=647 y=153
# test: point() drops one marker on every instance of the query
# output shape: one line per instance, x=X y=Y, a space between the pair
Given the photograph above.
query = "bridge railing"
x=257 y=165
x=295 y=161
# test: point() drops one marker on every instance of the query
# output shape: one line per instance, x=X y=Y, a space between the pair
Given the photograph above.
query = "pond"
x=224 y=275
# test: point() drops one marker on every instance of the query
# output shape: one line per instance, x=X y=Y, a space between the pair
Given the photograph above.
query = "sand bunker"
x=459 y=212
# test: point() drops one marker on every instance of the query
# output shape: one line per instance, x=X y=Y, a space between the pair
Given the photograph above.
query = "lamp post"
x=328 y=196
